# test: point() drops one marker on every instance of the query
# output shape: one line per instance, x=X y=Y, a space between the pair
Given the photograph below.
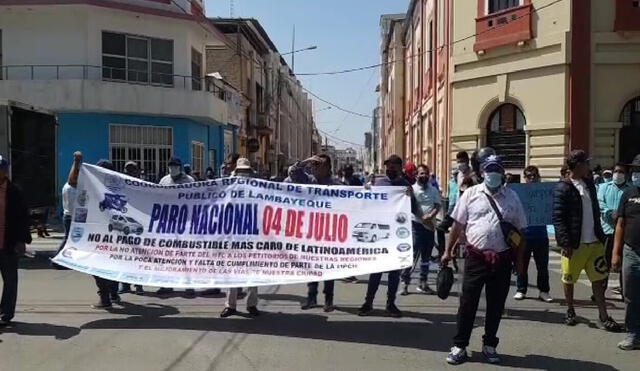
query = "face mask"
x=635 y=178
x=423 y=179
x=391 y=174
x=619 y=179
x=493 y=180
x=174 y=171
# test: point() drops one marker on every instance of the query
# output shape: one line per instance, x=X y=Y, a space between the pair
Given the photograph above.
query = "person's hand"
x=77 y=157
x=446 y=257
x=567 y=252
x=616 y=263
x=20 y=248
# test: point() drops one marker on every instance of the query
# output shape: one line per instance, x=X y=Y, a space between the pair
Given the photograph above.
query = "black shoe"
x=116 y=299
x=610 y=325
x=570 y=319
x=393 y=311
x=228 y=312
x=208 y=292
x=164 y=291
x=102 y=305
x=312 y=302
x=5 y=322
x=328 y=305
x=365 y=310
x=253 y=311
x=139 y=290
x=190 y=293
x=405 y=290
x=126 y=288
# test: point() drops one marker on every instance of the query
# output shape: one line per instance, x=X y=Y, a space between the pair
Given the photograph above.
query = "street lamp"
x=301 y=50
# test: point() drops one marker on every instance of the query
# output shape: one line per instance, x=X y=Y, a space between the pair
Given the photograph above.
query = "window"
x=441 y=22
x=498 y=5
x=505 y=134
x=137 y=59
x=630 y=132
x=151 y=147
x=196 y=70
x=197 y=159
x=259 y=98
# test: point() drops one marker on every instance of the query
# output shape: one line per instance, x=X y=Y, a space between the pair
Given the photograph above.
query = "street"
x=56 y=329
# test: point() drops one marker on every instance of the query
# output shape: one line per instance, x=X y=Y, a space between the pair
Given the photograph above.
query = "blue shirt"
x=609 y=196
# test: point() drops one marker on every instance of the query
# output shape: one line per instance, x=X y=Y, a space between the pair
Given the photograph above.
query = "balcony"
x=507 y=27
x=94 y=88
x=627 y=15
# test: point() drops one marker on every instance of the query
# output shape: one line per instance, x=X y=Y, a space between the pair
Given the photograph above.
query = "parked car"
x=371 y=232
x=125 y=225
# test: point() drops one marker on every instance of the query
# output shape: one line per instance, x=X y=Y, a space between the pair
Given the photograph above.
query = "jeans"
x=631 y=278
x=392 y=286
x=540 y=250
x=327 y=291
x=66 y=220
x=423 y=241
x=232 y=298
x=478 y=274
x=9 y=270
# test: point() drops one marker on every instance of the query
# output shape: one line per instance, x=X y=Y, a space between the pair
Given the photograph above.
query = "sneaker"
x=253 y=311
x=490 y=354
x=102 y=305
x=228 y=312
x=519 y=296
x=405 y=290
x=393 y=311
x=457 y=356
x=610 y=325
x=544 y=296
x=328 y=305
x=365 y=310
x=125 y=289
x=139 y=290
x=164 y=291
x=616 y=291
x=630 y=343
x=5 y=322
x=310 y=303
x=570 y=319
x=190 y=293
x=116 y=299
x=425 y=289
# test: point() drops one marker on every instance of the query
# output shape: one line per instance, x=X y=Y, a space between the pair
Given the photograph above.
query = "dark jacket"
x=17 y=220
x=567 y=214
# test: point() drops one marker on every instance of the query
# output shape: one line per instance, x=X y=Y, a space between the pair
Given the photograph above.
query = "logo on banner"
x=68 y=252
x=76 y=234
x=404 y=247
x=401 y=218
x=113 y=202
x=403 y=233
x=80 y=215
x=82 y=198
x=113 y=183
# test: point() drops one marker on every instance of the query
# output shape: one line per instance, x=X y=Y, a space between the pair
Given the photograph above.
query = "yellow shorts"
x=590 y=257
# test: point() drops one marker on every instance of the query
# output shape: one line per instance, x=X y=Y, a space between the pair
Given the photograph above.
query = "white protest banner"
x=233 y=232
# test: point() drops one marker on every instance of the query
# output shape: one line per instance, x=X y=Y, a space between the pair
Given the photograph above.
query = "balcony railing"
x=111 y=74
x=507 y=27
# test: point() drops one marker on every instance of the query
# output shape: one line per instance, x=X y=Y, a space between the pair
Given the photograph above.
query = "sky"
x=347 y=34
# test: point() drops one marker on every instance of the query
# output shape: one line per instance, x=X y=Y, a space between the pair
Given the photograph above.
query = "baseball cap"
x=131 y=163
x=492 y=163
x=243 y=164
x=393 y=160
x=106 y=164
x=4 y=162
x=174 y=161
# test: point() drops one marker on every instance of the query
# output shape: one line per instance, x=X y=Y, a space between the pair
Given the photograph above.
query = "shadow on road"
x=539 y=362
x=306 y=326
x=41 y=329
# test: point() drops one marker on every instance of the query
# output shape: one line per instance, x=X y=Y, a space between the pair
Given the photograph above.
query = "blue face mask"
x=635 y=178
x=493 y=180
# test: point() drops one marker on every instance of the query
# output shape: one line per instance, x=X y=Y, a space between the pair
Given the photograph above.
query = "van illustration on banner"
x=371 y=232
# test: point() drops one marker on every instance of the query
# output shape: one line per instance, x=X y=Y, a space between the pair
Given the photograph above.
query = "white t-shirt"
x=588 y=223
x=69 y=195
x=427 y=197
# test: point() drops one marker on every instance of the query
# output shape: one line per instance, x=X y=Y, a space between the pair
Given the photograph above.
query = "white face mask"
x=619 y=178
x=174 y=170
x=635 y=178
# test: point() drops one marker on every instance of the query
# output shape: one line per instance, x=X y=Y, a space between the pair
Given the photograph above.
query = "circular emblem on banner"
x=403 y=232
x=404 y=247
x=113 y=183
x=401 y=218
x=76 y=234
x=82 y=198
x=68 y=252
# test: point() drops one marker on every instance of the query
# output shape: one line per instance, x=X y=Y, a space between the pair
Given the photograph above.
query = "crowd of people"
x=596 y=223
